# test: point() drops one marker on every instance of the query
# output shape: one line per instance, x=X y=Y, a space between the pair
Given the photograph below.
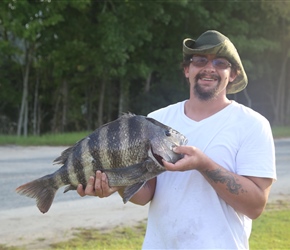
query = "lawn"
x=270 y=231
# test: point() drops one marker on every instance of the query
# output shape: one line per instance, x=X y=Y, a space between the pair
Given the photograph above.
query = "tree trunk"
x=23 y=114
x=101 y=103
x=280 y=106
x=287 y=115
x=35 y=107
x=148 y=83
x=123 y=98
x=56 y=111
x=64 y=105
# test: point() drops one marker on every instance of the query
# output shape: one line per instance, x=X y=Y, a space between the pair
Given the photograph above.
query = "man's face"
x=209 y=76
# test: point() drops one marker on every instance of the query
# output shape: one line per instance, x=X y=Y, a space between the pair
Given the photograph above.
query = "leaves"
x=130 y=51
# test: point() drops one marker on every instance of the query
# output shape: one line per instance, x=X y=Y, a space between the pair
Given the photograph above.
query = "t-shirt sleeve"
x=256 y=155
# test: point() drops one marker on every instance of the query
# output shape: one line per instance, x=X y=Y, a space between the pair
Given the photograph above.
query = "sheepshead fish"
x=129 y=150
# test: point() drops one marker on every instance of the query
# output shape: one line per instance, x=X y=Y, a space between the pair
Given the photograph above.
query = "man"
x=207 y=200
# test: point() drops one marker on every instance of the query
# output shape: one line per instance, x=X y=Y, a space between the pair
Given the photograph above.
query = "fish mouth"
x=157 y=157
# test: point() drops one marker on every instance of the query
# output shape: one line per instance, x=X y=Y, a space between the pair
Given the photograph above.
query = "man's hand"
x=193 y=158
x=97 y=186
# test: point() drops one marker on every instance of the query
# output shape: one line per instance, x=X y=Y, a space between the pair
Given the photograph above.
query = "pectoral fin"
x=128 y=175
x=131 y=190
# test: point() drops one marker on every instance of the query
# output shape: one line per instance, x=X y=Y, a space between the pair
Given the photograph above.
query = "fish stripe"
x=132 y=130
x=78 y=163
x=73 y=162
x=64 y=174
x=93 y=144
x=113 y=139
x=137 y=135
x=134 y=127
x=90 y=157
x=104 y=156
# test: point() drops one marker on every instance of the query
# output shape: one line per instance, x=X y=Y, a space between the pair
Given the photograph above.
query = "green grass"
x=67 y=139
x=116 y=239
x=3 y=247
x=64 y=139
x=280 y=132
x=270 y=231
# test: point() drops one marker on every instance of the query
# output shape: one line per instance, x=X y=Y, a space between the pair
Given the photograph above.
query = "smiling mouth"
x=207 y=77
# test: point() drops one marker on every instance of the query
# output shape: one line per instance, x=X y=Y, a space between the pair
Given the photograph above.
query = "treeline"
x=74 y=65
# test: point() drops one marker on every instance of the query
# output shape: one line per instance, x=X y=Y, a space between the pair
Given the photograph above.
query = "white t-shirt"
x=186 y=212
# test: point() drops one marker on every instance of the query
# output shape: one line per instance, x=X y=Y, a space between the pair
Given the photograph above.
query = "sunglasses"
x=218 y=63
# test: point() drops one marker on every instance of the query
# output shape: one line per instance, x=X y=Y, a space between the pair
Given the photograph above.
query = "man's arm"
x=245 y=194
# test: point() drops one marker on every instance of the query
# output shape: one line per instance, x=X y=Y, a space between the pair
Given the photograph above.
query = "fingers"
x=188 y=150
x=81 y=190
x=168 y=165
x=105 y=189
x=180 y=165
x=97 y=186
x=193 y=158
x=90 y=188
x=188 y=162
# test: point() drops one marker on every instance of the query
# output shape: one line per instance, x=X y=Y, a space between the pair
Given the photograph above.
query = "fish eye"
x=167 y=133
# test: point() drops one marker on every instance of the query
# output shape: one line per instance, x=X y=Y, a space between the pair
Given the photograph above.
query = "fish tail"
x=42 y=190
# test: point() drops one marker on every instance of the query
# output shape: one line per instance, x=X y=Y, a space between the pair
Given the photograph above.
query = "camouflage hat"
x=213 y=42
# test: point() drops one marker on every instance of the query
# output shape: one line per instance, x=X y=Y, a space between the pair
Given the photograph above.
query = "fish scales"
x=103 y=150
x=129 y=150
x=137 y=138
x=114 y=144
x=80 y=165
x=78 y=175
x=92 y=144
x=116 y=150
x=89 y=166
x=133 y=138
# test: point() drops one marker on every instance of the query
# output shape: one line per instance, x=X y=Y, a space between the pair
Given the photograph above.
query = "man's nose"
x=209 y=65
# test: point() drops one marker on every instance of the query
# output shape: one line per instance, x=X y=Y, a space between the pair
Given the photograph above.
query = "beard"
x=202 y=94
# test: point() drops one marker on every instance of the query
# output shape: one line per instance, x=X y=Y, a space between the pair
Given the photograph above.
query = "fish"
x=129 y=150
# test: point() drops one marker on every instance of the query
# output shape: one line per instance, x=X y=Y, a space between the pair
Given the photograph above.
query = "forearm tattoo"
x=227 y=178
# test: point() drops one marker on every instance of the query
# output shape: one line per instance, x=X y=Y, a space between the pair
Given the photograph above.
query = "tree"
x=74 y=65
x=279 y=15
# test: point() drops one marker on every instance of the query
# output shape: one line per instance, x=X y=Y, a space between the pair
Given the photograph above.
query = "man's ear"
x=233 y=75
x=186 y=71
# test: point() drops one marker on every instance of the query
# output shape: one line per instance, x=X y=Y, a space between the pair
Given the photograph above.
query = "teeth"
x=208 y=79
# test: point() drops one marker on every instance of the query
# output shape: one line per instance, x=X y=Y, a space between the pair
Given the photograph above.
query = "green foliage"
x=118 y=56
